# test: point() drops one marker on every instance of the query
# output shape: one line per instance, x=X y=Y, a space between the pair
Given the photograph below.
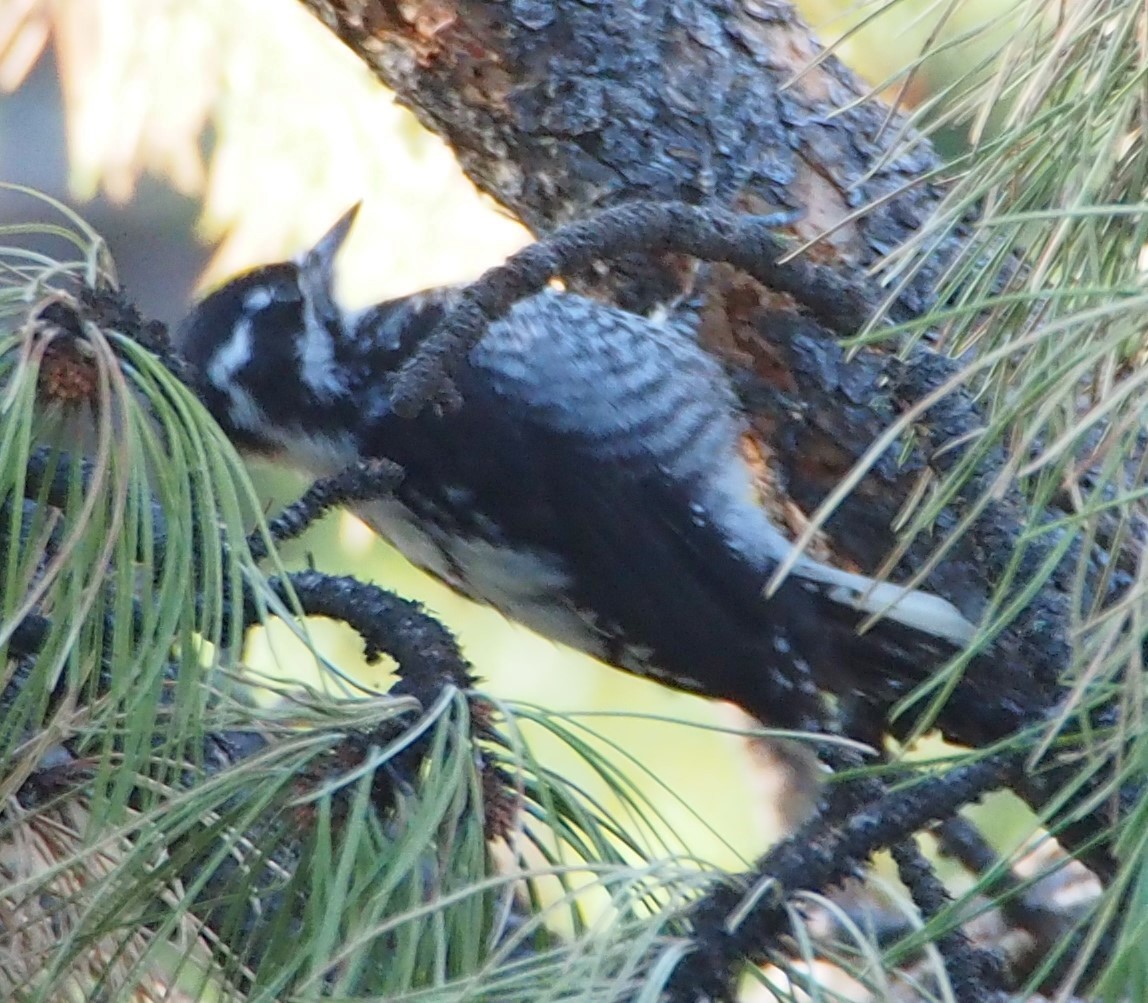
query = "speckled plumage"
x=591 y=485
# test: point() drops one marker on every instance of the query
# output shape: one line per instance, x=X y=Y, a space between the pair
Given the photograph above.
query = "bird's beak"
x=329 y=244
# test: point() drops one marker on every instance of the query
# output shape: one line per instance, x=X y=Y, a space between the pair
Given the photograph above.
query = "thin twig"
x=842 y=303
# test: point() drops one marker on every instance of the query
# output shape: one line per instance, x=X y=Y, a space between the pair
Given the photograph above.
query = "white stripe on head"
x=316 y=352
x=242 y=408
x=231 y=356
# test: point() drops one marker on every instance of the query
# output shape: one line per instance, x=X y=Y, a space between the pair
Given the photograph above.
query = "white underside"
x=524 y=585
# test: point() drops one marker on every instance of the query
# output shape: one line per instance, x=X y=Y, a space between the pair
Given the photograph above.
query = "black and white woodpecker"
x=591 y=485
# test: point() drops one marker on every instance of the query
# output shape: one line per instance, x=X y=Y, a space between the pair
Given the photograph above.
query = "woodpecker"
x=591 y=485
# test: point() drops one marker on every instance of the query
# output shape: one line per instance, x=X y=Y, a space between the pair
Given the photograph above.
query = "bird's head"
x=270 y=347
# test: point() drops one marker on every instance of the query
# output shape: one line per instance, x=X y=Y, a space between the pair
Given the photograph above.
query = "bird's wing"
x=635 y=433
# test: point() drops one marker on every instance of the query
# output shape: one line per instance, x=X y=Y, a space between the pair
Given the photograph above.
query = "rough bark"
x=557 y=107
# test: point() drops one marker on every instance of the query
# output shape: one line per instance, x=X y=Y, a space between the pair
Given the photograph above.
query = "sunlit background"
x=202 y=136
